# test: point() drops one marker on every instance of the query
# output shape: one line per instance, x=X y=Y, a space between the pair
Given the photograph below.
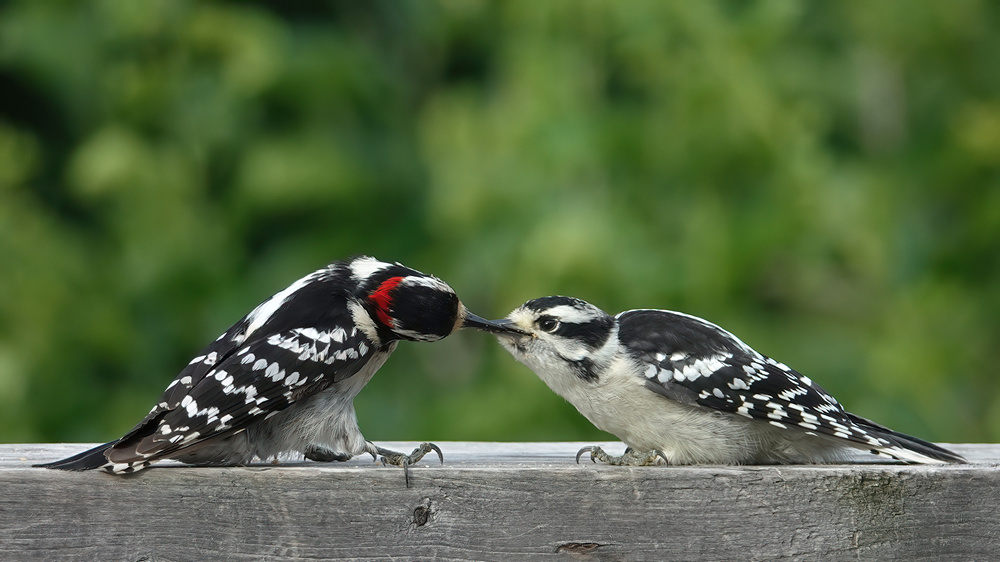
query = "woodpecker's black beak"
x=502 y=326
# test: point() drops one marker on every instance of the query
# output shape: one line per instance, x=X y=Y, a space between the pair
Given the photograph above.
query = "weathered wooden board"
x=500 y=501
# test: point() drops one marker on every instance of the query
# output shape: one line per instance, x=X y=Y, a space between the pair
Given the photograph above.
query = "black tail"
x=87 y=460
x=908 y=442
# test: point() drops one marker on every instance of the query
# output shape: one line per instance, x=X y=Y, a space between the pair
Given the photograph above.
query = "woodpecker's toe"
x=388 y=457
x=630 y=458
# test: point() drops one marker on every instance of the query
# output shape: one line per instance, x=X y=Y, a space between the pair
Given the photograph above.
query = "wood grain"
x=500 y=501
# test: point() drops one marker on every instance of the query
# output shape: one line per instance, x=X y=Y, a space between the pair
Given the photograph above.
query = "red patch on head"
x=382 y=297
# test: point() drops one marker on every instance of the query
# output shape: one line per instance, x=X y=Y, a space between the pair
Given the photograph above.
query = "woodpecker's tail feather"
x=87 y=460
x=907 y=447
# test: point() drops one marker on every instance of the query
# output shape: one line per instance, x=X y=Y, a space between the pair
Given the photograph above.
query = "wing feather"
x=261 y=377
x=696 y=362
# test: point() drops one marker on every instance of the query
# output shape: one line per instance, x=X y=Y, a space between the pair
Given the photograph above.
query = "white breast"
x=619 y=403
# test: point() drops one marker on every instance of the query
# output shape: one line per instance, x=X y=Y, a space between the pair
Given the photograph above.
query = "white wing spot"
x=274 y=372
x=692 y=371
x=338 y=335
x=791 y=393
x=310 y=333
x=251 y=392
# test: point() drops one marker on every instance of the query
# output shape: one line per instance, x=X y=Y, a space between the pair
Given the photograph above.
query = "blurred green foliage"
x=821 y=178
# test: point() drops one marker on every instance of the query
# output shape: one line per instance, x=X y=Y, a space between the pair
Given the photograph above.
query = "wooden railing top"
x=501 y=501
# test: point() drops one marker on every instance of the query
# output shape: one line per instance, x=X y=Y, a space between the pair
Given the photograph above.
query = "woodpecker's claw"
x=630 y=458
x=587 y=450
x=388 y=457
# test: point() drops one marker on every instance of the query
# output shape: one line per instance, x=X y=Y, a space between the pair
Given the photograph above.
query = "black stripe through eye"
x=593 y=333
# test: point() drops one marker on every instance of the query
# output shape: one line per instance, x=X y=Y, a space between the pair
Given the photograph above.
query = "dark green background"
x=821 y=178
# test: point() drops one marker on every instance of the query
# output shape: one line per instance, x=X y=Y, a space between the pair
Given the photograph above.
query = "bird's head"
x=404 y=303
x=557 y=334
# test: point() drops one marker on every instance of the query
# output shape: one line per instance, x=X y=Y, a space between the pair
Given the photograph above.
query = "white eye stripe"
x=567 y=313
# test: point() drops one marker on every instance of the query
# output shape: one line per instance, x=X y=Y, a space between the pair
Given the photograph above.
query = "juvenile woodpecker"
x=679 y=389
x=284 y=378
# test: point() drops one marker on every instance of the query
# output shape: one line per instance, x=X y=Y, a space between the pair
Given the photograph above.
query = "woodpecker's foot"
x=320 y=453
x=399 y=459
x=630 y=458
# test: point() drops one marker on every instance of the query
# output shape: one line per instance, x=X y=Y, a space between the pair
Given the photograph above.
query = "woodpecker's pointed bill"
x=493 y=326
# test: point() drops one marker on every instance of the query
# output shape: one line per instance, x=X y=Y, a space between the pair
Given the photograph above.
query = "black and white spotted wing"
x=696 y=362
x=216 y=396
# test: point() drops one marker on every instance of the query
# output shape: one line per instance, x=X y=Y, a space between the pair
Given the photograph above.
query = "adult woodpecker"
x=283 y=378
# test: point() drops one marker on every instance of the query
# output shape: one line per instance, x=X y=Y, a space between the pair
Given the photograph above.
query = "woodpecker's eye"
x=548 y=324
